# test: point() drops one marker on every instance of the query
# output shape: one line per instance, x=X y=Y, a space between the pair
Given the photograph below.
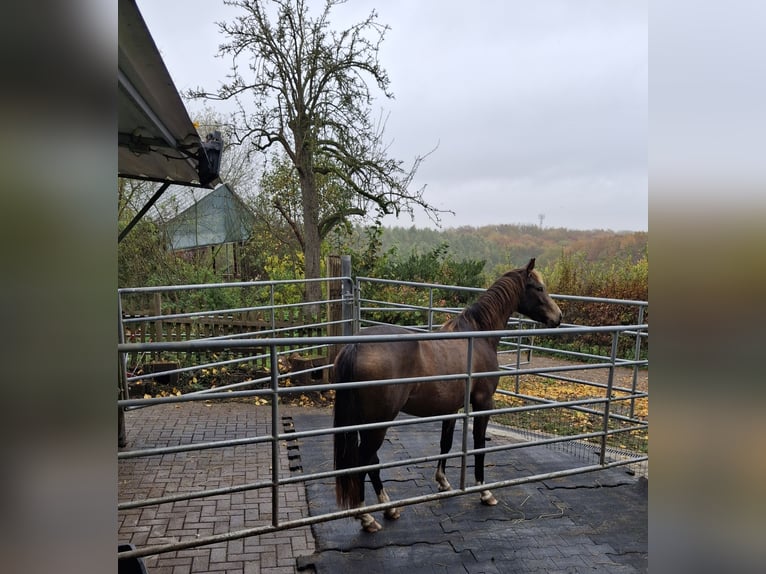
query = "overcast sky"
x=536 y=107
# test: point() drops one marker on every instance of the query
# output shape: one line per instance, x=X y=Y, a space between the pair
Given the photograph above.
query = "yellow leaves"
x=567 y=421
x=259 y=401
x=164 y=393
x=304 y=401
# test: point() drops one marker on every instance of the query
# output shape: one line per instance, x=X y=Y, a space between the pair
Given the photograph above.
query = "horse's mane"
x=493 y=308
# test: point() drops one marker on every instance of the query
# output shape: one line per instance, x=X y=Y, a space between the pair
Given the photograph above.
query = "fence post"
x=274 y=371
x=157 y=311
x=334 y=307
x=347 y=295
x=608 y=403
x=466 y=414
x=430 y=309
x=122 y=384
x=636 y=357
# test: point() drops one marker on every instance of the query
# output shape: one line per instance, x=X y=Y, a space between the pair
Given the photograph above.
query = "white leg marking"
x=392 y=513
x=369 y=524
x=487 y=497
x=441 y=479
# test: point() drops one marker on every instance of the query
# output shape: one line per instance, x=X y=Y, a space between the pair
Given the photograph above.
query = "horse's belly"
x=433 y=399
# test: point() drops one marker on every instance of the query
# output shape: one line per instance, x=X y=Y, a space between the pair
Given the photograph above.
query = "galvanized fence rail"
x=354 y=310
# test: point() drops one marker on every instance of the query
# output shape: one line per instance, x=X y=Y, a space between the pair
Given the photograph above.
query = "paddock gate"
x=258 y=345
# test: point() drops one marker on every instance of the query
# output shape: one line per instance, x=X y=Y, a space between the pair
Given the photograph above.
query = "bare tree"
x=236 y=169
x=310 y=97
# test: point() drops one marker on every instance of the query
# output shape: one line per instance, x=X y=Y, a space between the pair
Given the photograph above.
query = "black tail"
x=348 y=487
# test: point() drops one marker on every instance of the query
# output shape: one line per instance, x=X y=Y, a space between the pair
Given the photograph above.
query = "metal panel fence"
x=608 y=410
x=583 y=374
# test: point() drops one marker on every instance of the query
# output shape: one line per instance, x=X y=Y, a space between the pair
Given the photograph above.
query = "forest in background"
x=505 y=246
x=592 y=263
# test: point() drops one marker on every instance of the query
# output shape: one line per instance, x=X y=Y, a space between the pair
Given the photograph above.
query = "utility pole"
x=541 y=217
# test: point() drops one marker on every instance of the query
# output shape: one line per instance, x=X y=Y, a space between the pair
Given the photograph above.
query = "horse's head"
x=535 y=302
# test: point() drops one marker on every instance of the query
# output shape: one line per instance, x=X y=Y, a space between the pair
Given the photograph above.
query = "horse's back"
x=384 y=359
x=378 y=360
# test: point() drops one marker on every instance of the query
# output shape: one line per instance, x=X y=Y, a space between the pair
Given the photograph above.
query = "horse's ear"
x=531 y=265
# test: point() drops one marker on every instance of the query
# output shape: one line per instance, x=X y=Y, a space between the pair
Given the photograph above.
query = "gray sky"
x=536 y=107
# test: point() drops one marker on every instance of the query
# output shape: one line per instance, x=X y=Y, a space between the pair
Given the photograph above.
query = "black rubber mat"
x=595 y=522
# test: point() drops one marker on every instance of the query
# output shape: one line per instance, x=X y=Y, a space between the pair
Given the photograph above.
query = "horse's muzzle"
x=556 y=321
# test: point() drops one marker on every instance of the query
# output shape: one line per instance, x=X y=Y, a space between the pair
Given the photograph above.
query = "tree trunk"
x=312 y=241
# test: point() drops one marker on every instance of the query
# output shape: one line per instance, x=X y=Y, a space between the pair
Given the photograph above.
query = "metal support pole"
x=122 y=437
x=271 y=308
x=274 y=436
x=636 y=356
x=518 y=365
x=466 y=418
x=430 y=309
x=347 y=295
x=607 y=404
x=143 y=211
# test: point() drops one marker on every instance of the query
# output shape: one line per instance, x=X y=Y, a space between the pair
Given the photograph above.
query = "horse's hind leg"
x=370 y=442
x=377 y=484
x=448 y=432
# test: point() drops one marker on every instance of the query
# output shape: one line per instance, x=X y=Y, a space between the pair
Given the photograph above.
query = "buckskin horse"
x=519 y=290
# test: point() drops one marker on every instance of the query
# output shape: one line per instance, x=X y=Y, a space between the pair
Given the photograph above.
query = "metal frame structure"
x=353 y=314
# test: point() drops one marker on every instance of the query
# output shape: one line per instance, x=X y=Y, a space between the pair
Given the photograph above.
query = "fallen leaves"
x=567 y=421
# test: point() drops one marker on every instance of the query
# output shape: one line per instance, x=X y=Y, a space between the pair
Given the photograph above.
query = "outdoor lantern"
x=209 y=157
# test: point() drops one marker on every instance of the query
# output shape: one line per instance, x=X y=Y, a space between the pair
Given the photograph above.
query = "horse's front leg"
x=479 y=440
x=448 y=432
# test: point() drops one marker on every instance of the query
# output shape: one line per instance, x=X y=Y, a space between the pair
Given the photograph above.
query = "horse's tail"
x=348 y=487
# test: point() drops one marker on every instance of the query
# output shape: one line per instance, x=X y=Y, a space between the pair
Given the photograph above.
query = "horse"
x=519 y=290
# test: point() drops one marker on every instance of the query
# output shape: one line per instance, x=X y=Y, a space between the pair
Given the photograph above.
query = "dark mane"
x=493 y=308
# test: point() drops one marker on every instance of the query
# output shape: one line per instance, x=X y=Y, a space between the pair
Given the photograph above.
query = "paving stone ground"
x=141 y=478
x=595 y=522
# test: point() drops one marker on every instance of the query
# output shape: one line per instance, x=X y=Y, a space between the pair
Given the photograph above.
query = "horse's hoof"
x=372 y=527
x=392 y=513
x=445 y=487
x=488 y=499
x=369 y=524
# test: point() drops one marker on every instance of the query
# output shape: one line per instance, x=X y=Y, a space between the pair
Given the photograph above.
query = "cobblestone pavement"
x=588 y=523
x=155 y=476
